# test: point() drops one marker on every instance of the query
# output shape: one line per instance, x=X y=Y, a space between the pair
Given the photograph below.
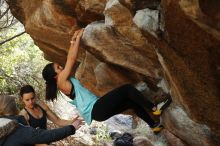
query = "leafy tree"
x=21 y=61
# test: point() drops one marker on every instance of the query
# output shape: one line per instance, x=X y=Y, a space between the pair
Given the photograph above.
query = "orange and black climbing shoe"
x=157 y=112
x=157 y=128
x=162 y=105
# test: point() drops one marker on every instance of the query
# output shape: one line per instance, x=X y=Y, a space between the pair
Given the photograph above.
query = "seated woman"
x=14 y=133
x=89 y=105
x=36 y=111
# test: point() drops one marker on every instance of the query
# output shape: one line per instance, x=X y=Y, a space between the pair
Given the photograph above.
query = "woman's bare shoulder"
x=24 y=113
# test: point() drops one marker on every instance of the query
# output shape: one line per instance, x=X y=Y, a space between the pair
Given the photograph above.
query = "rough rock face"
x=132 y=40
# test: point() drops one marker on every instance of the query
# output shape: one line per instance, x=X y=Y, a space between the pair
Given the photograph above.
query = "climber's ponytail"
x=49 y=74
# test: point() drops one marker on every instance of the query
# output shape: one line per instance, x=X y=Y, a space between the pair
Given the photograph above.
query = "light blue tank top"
x=84 y=100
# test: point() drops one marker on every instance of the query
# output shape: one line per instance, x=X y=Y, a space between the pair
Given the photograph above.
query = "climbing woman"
x=90 y=106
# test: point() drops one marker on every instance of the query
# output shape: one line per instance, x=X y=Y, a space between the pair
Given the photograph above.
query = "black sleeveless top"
x=38 y=123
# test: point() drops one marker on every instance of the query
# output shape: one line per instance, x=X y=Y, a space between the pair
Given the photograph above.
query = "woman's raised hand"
x=77 y=34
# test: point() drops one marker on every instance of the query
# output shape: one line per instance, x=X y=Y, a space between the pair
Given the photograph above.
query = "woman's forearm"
x=73 y=50
x=62 y=123
x=71 y=59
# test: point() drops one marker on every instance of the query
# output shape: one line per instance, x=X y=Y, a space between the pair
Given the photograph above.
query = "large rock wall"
x=176 y=41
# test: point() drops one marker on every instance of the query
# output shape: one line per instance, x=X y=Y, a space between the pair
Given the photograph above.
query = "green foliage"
x=21 y=63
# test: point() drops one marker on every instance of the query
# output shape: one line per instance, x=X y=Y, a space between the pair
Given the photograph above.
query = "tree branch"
x=7 y=40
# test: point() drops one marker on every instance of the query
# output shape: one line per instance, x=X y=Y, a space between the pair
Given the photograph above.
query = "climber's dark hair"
x=125 y=140
x=48 y=74
x=26 y=89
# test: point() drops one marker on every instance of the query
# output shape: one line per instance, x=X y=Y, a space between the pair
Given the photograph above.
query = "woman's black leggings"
x=121 y=99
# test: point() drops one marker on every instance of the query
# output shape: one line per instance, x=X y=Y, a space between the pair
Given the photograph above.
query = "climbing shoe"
x=157 y=128
x=157 y=112
x=161 y=106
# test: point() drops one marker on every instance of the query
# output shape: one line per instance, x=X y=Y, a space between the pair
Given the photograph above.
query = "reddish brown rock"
x=195 y=52
x=142 y=141
x=172 y=140
x=88 y=11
